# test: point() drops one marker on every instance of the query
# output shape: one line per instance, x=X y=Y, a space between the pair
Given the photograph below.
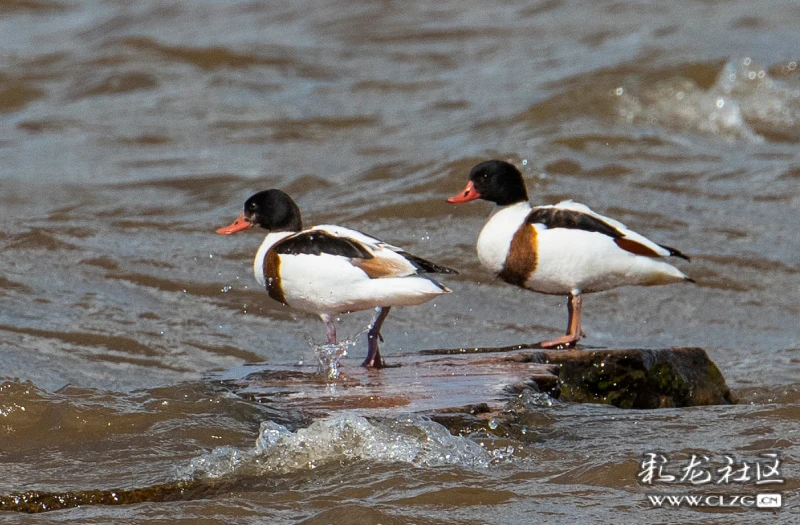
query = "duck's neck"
x=515 y=208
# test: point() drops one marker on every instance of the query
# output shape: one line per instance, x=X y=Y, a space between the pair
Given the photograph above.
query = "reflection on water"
x=128 y=130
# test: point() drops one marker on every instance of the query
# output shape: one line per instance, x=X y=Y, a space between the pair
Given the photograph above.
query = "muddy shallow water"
x=129 y=132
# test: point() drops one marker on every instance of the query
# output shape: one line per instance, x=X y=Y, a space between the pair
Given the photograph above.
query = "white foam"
x=344 y=437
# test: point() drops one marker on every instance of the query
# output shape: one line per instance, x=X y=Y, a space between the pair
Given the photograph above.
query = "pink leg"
x=574 y=332
x=330 y=328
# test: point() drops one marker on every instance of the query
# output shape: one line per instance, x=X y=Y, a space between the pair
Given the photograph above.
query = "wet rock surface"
x=483 y=380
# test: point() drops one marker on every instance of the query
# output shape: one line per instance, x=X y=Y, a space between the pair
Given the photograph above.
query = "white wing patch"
x=624 y=230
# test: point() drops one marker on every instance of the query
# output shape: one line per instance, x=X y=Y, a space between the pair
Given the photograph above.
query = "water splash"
x=328 y=355
x=531 y=400
x=744 y=102
x=216 y=464
x=679 y=102
x=345 y=437
x=765 y=101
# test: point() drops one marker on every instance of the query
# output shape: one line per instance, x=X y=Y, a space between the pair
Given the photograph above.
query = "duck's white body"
x=566 y=261
x=329 y=284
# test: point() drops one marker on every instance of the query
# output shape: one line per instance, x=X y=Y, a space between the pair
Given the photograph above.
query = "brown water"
x=130 y=130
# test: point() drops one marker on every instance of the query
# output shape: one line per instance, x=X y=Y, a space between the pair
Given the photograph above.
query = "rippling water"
x=129 y=131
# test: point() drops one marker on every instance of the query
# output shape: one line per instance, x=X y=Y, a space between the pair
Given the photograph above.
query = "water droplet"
x=619 y=91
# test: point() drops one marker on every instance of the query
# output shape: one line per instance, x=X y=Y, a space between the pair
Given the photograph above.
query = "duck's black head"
x=273 y=210
x=495 y=181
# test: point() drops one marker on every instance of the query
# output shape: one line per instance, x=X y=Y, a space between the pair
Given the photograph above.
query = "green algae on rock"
x=637 y=378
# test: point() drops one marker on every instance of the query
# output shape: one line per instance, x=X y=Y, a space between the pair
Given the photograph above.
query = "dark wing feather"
x=318 y=242
x=425 y=266
x=675 y=253
x=573 y=220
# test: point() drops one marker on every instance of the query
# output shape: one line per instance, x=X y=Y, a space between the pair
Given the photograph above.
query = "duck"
x=561 y=249
x=329 y=270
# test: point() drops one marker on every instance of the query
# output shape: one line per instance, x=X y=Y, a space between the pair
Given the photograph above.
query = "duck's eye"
x=485 y=175
x=252 y=206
